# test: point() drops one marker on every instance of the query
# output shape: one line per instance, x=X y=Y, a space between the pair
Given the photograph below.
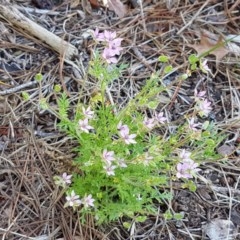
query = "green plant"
x=125 y=163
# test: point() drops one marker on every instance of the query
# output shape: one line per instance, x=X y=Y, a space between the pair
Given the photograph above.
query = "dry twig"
x=12 y=15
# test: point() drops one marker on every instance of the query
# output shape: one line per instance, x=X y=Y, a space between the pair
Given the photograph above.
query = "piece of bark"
x=12 y=15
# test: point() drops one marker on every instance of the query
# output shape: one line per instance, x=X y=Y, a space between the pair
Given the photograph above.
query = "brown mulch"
x=33 y=150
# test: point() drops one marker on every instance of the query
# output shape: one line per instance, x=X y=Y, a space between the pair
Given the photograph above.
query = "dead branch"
x=18 y=88
x=15 y=17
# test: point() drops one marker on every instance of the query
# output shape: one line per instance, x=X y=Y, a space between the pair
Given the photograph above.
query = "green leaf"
x=25 y=96
x=57 y=88
x=192 y=186
x=163 y=59
x=39 y=77
x=210 y=142
x=153 y=104
x=63 y=104
x=168 y=215
x=206 y=134
x=205 y=125
x=141 y=219
x=184 y=76
x=168 y=69
x=142 y=102
x=193 y=66
x=193 y=59
x=43 y=104
x=127 y=225
x=178 y=216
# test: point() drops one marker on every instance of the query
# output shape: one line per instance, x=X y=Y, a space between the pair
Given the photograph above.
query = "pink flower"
x=115 y=46
x=63 y=180
x=109 y=36
x=124 y=133
x=66 y=178
x=186 y=169
x=108 y=156
x=98 y=36
x=128 y=139
x=149 y=122
x=204 y=67
x=83 y=124
x=121 y=127
x=88 y=201
x=87 y=112
x=109 y=169
x=183 y=171
x=199 y=95
x=160 y=118
x=108 y=55
x=193 y=126
x=185 y=155
x=203 y=107
x=72 y=200
x=121 y=163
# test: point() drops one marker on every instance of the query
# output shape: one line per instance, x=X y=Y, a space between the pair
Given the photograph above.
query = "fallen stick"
x=18 y=88
x=15 y=17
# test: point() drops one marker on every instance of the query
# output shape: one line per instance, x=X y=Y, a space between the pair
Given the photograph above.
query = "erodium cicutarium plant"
x=125 y=161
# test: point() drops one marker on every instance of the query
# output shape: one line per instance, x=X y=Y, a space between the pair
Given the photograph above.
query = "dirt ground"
x=33 y=150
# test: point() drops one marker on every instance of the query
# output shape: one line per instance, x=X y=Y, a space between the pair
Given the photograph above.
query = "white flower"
x=185 y=155
x=124 y=133
x=108 y=157
x=160 y=118
x=193 y=125
x=83 y=124
x=203 y=107
x=199 y=95
x=88 y=201
x=66 y=178
x=109 y=170
x=63 y=180
x=121 y=163
x=121 y=127
x=139 y=198
x=187 y=168
x=128 y=139
x=72 y=200
x=204 y=67
x=87 y=112
x=149 y=122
